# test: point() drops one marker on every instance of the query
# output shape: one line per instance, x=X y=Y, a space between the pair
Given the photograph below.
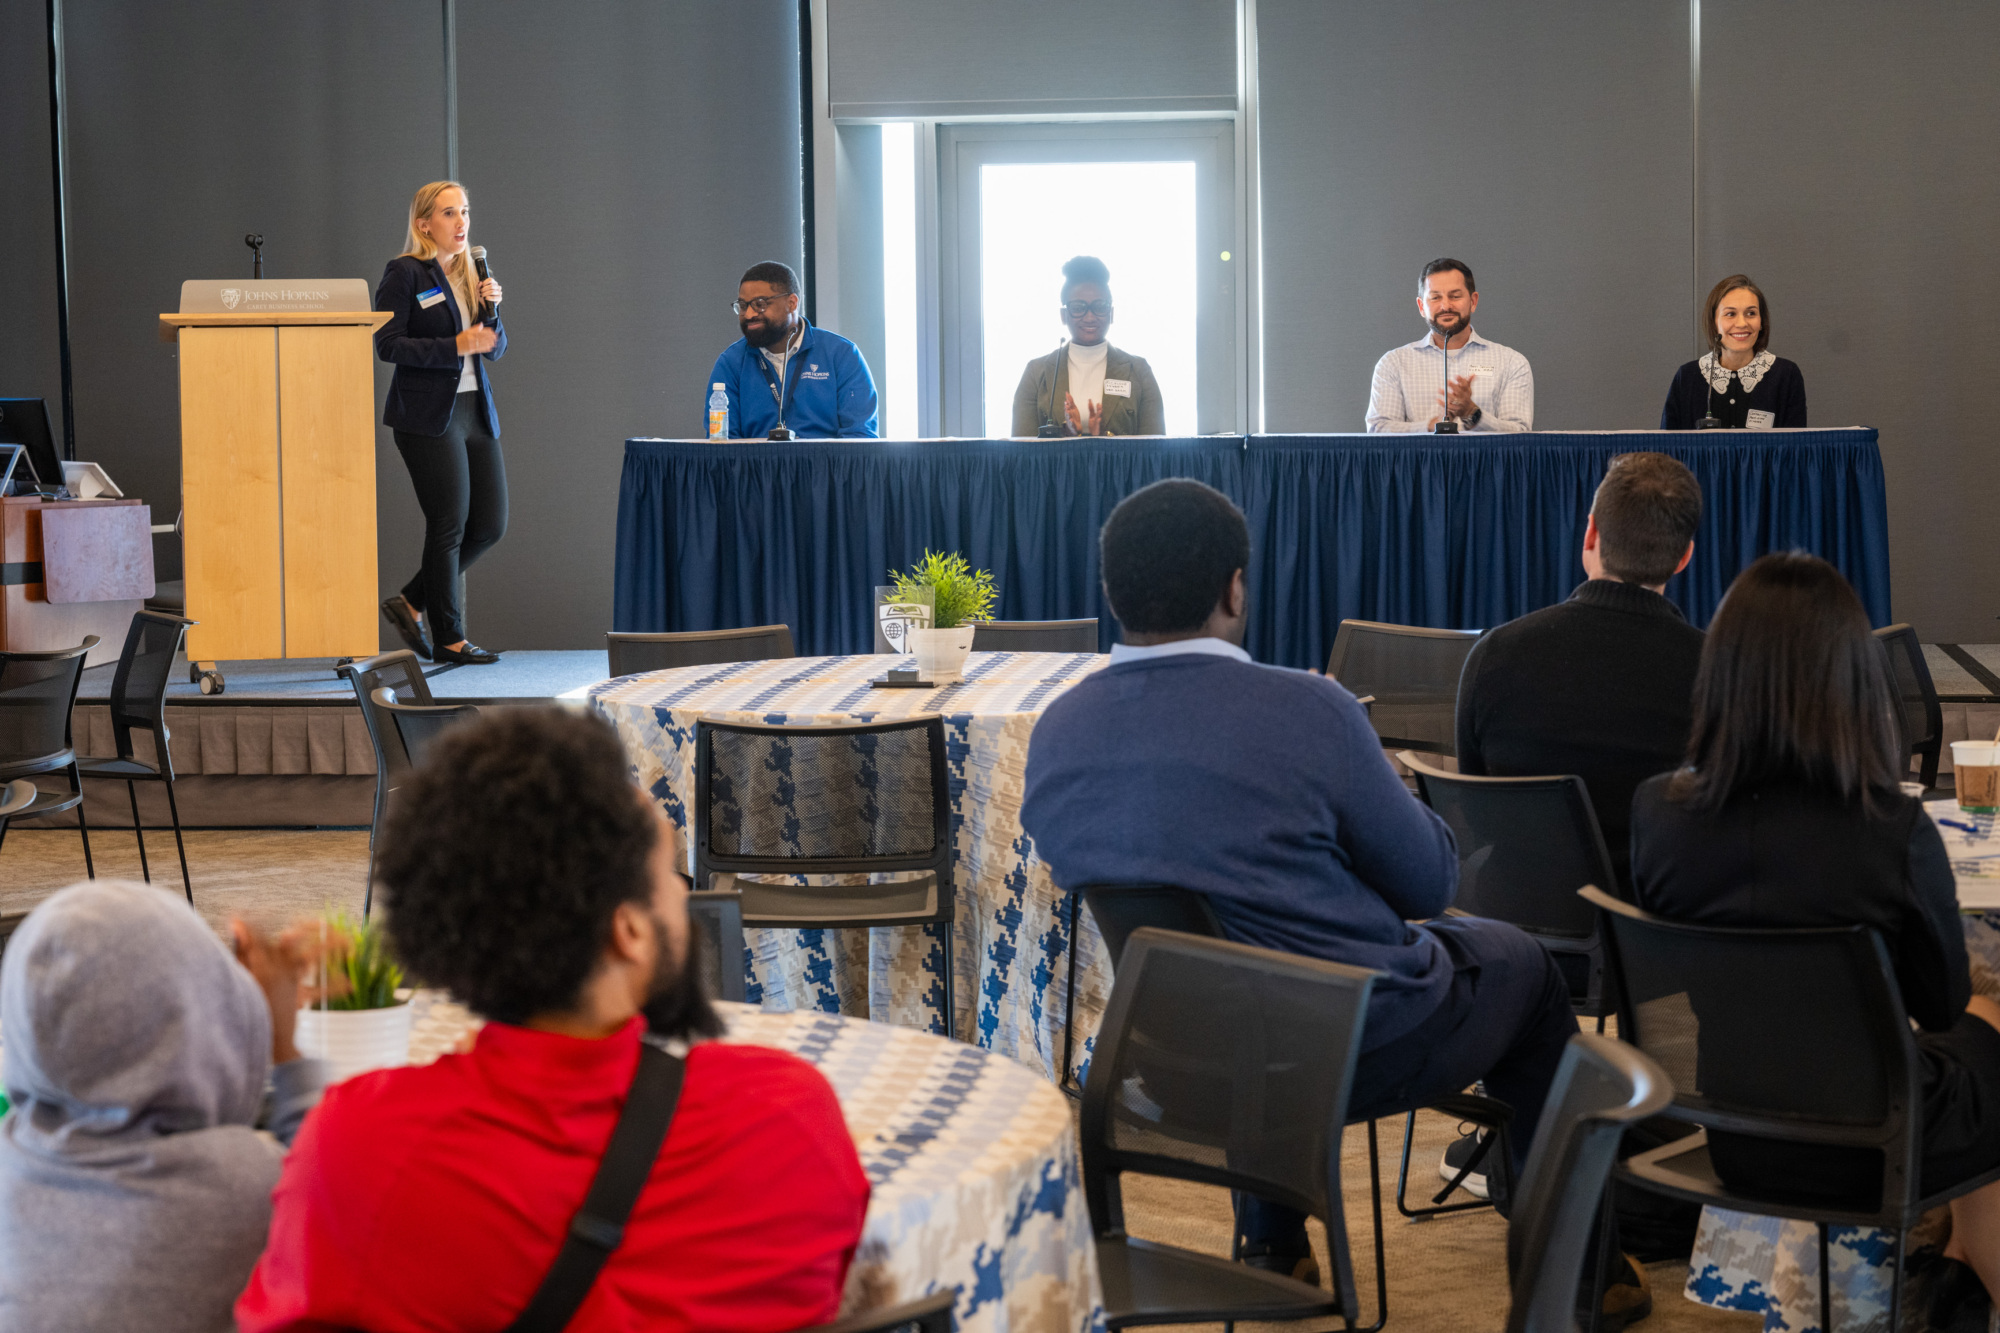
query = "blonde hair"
x=462 y=276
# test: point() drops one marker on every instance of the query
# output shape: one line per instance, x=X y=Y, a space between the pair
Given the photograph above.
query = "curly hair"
x=505 y=854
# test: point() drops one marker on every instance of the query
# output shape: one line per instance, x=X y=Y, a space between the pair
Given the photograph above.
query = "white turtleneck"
x=1086 y=377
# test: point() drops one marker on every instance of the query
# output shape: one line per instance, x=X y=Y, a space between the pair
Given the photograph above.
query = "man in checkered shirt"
x=1492 y=387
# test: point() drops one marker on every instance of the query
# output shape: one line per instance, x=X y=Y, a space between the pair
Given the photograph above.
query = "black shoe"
x=1299 y=1267
x=408 y=627
x=470 y=655
x=1958 y=1303
x=1458 y=1154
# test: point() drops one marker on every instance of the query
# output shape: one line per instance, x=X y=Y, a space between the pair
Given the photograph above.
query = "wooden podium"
x=278 y=483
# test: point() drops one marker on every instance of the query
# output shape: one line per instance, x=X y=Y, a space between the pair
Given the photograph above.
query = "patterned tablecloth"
x=1770 y=1265
x=971 y=1160
x=1011 y=940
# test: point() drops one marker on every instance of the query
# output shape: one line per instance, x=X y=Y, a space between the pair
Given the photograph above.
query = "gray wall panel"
x=193 y=123
x=1847 y=166
x=623 y=172
x=1543 y=142
x=30 y=365
x=910 y=58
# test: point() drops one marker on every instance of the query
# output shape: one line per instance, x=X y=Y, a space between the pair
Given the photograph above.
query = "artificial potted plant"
x=362 y=1019
x=962 y=595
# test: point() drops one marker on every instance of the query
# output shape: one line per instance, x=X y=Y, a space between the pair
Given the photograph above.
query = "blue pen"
x=1953 y=823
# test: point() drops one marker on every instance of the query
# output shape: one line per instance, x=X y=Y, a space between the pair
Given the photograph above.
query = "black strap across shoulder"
x=600 y=1224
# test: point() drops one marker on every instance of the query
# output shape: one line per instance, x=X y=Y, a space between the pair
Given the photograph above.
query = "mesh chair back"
x=1917 y=710
x=401 y=674
x=1761 y=1028
x=139 y=685
x=1120 y=909
x=37 y=692
x=813 y=800
x=631 y=654
x=1413 y=674
x=1600 y=1087
x=718 y=948
x=1525 y=846
x=1035 y=636
x=1229 y=1065
x=417 y=725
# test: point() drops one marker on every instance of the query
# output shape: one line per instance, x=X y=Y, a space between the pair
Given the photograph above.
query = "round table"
x=1770 y=1265
x=971 y=1160
x=1011 y=938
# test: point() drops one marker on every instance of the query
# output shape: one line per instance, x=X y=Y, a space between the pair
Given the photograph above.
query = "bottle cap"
x=716 y=386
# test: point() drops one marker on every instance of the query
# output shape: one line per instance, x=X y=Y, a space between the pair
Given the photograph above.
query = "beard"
x=1450 y=331
x=677 y=1004
x=767 y=334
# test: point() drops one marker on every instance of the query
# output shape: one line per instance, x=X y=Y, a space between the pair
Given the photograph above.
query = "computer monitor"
x=25 y=421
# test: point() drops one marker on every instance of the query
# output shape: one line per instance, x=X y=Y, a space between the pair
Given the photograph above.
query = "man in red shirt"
x=523 y=872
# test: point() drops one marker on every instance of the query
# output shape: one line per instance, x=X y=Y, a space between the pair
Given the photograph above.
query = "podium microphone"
x=255 y=240
x=486 y=311
x=1049 y=430
x=1447 y=423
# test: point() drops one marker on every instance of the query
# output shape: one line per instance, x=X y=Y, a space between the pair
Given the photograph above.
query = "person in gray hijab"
x=134 y=1191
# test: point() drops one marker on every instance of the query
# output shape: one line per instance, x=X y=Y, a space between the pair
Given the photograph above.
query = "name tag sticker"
x=426 y=300
x=1118 y=388
x=1755 y=420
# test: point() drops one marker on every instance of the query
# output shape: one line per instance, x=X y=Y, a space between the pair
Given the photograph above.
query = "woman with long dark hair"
x=1788 y=814
x=444 y=326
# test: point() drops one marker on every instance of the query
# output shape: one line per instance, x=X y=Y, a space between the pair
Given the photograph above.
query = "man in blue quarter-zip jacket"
x=784 y=372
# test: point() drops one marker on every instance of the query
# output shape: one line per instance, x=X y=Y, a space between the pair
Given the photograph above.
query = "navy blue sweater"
x=1264 y=789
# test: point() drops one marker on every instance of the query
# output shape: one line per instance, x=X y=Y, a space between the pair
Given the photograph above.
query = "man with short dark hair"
x=784 y=372
x=1266 y=791
x=525 y=873
x=1492 y=388
x=1601 y=685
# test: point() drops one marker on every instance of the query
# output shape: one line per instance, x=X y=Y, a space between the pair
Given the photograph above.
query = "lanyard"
x=780 y=393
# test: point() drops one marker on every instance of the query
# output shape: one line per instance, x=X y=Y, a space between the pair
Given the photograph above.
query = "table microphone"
x=1049 y=430
x=1709 y=421
x=1447 y=423
x=486 y=311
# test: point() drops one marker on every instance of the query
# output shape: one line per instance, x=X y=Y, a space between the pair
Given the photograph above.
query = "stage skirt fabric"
x=1460 y=532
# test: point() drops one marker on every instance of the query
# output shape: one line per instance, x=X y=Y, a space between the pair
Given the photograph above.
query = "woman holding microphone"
x=441 y=409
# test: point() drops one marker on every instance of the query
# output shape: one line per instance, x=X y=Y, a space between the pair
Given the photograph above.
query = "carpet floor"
x=1446 y=1273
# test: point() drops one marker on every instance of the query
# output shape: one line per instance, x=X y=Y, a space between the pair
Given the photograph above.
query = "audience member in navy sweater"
x=1186 y=763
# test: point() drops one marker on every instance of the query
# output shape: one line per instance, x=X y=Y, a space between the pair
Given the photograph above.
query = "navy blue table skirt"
x=1460 y=533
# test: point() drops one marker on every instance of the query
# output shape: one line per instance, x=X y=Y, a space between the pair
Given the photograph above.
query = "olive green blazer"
x=1043 y=384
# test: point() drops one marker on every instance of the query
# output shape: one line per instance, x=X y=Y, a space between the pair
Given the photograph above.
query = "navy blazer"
x=419 y=342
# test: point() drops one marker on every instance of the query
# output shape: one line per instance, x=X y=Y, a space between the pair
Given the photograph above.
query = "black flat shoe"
x=470 y=655
x=407 y=626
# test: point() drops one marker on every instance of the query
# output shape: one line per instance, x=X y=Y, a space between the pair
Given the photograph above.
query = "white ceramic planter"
x=355 y=1041
x=941 y=653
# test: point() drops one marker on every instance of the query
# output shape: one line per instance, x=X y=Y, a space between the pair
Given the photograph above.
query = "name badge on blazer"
x=1756 y=420
x=1118 y=388
x=425 y=300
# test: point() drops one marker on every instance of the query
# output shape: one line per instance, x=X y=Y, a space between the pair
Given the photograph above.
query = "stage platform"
x=283 y=745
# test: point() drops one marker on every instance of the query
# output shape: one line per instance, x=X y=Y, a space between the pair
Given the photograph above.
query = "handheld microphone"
x=1447 y=423
x=1050 y=430
x=1709 y=421
x=487 y=310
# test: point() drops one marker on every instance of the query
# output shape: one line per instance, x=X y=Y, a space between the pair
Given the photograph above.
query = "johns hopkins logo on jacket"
x=230 y=296
x=813 y=372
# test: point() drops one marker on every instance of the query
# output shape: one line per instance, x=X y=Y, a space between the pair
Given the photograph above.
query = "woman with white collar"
x=1738 y=383
x=1087 y=386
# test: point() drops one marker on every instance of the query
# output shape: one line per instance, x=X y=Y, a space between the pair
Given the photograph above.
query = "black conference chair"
x=720 y=916
x=631 y=654
x=1917 y=710
x=1779 y=1043
x=139 y=703
x=1601 y=1087
x=1120 y=909
x=865 y=799
x=932 y=1314
x=418 y=725
x=1225 y=1065
x=1412 y=672
x=1034 y=636
x=37 y=698
x=401 y=673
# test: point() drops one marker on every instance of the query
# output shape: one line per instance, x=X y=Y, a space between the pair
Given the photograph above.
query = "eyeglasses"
x=760 y=305
x=1078 y=309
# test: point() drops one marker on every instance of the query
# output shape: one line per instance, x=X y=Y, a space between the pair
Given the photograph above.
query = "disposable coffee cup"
x=1976 y=773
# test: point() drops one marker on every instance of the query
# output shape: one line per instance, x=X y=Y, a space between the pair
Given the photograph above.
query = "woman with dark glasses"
x=1087 y=386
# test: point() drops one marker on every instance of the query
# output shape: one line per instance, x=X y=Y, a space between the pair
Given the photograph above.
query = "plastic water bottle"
x=718 y=412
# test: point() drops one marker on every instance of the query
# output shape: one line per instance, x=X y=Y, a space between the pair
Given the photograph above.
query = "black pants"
x=1505 y=1021
x=461 y=483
